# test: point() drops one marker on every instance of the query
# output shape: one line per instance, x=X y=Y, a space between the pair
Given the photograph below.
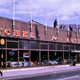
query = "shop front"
x=24 y=48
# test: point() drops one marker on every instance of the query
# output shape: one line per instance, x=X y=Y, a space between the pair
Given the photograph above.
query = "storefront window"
x=66 y=58
x=24 y=58
x=23 y=44
x=12 y=45
x=55 y=58
x=44 y=45
x=12 y=59
x=71 y=47
x=44 y=58
x=66 y=47
x=34 y=44
x=59 y=47
x=35 y=58
x=52 y=46
x=77 y=47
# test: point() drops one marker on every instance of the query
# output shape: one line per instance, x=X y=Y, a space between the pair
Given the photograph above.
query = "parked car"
x=52 y=62
x=26 y=63
x=34 y=63
x=44 y=62
x=12 y=63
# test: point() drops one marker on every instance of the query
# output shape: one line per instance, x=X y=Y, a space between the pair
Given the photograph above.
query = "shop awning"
x=75 y=51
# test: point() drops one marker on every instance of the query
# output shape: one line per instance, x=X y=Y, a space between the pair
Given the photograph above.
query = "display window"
x=66 y=58
x=24 y=58
x=12 y=59
x=35 y=58
x=44 y=58
x=55 y=58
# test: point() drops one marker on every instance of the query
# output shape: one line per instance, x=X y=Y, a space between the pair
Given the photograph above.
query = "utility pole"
x=31 y=15
x=13 y=14
x=45 y=20
x=58 y=19
x=77 y=25
x=68 y=22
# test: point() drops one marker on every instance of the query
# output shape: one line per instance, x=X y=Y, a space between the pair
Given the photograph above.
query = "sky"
x=62 y=10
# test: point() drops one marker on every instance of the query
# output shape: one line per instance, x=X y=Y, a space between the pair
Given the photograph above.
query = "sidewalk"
x=37 y=70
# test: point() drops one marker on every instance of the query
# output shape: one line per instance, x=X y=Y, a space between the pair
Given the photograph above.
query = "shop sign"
x=26 y=55
x=16 y=33
x=72 y=40
x=2 y=41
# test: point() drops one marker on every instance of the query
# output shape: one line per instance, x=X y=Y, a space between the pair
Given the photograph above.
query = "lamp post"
x=31 y=15
x=2 y=43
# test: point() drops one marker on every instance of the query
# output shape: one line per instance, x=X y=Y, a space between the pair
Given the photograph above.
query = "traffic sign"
x=2 y=41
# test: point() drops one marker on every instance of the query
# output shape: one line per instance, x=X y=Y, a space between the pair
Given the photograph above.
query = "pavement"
x=37 y=70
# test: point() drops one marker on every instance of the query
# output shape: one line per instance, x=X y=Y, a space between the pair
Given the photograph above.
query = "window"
x=77 y=47
x=34 y=44
x=52 y=46
x=66 y=47
x=23 y=44
x=71 y=47
x=12 y=45
x=44 y=45
x=59 y=47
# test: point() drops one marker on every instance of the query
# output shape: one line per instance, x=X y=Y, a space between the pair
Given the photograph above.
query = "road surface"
x=60 y=75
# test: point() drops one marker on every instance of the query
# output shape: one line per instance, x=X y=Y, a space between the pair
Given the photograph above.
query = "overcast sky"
x=22 y=10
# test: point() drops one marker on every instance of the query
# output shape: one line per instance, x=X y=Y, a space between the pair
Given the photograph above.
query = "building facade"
x=26 y=48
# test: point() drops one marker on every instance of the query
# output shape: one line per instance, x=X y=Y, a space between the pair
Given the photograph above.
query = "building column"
x=39 y=58
x=63 y=57
x=18 y=52
x=48 y=53
x=48 y=58
x=29 y=54
x=29 y=58
x=69 y=53
x=63 y=53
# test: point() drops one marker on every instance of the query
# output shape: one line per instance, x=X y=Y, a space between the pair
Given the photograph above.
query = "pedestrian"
x=1 y=73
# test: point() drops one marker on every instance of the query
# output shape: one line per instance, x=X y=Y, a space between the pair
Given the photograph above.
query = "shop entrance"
x=75 y=56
